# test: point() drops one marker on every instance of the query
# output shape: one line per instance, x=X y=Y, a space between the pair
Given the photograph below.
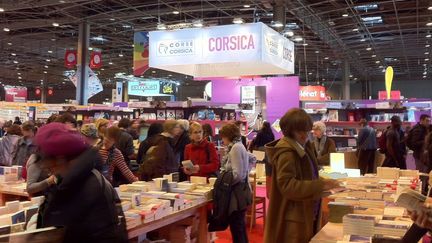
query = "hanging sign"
x=15 y=94
x=50 y=91
x=312 y=93
x=247 y=94
x=151 y=88
x=70 y=58
x=96 y=59
x=141 y=53
x=38 y=91
x=119 y=92
x=220 y=51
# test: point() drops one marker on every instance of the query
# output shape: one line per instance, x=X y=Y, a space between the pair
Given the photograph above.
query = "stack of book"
x=355 y=224
x=392 y=228
x=338 y=210
x=388 y=173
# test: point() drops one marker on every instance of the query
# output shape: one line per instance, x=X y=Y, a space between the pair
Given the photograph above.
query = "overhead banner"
x=141 y=53
x=151 y=88
x=15 y=94
x=312 y=93
x=94 y=85
x=221 y=51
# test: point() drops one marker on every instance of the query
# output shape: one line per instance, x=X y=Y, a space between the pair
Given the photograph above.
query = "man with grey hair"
x=323 y=145
x=180 y=145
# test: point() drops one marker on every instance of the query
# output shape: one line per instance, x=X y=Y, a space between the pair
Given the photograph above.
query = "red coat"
x=204 y=155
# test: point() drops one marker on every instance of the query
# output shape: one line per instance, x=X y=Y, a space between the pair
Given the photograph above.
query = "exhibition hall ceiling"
x=370 y=35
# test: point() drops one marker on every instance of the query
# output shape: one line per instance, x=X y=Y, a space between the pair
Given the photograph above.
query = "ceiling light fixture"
x=430 y=8
x=426 y=59
x=368 y=49
x=120 y=54
x=238 y=21
x=289 y=33
x=55 y=24
x=48 y=60
x=198 y=23
x=345 y=15
x=161 y=26
x=49 y=51
x=110 y=63
x=6 y=29
x=18 y=73
x=355 y=29
x=246 y=6
x=45 y=66
x=373 y=55
x=426 y=53
x=9 y=43
x=45 y=72
x=305 y=44
x=19 y=77
x=176 y=12
x=428 y=36
x=363 y=40
x=429 y=24
x=2 y=10
x=377 y=61
x=424 y=76
x=326 y=58
x=13 y=54
x=427 y=46
x=276 y=24
x=298 y=38
x=424 y=73
x=16 y=62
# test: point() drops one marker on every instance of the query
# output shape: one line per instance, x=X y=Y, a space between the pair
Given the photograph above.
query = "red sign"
x=96 y=59
x=38 y=91
x=70 y=58
x=312 y=93
x=394 y=95
x=50 y=91
x=15 y=94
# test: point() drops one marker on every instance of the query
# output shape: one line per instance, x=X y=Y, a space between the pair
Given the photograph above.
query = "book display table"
x=200 y=210
x=13 y=191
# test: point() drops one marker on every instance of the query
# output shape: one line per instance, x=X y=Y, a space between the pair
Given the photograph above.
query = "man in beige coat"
x=294 y=210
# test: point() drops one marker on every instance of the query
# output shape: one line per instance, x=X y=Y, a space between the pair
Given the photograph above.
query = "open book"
x=410 y=199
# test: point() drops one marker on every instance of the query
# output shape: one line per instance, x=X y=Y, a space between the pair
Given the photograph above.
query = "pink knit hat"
x=56 y=140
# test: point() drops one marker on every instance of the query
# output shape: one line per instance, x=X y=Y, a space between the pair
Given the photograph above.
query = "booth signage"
x=15 y=94
x=141 y=53
x=247 y=95
x=394 y=95
x=151 y=88
x=230 y=50
x=312 y=93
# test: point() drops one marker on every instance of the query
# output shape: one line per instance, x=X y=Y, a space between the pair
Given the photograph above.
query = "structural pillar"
x=125 y=92
x=43 y=92
x=346 y=81
x=82 y=63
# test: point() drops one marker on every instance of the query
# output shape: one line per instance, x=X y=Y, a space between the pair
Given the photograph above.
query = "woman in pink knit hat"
x=79 y=188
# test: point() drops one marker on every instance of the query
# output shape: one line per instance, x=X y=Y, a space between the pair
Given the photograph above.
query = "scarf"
x=225 y=158
x=319 y=145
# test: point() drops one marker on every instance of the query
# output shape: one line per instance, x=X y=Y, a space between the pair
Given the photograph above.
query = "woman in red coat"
x=202 y=154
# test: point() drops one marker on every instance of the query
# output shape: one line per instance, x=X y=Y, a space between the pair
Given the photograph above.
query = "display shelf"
x=356 y=123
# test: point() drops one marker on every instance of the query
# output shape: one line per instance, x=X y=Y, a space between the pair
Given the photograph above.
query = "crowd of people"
x=76 y=166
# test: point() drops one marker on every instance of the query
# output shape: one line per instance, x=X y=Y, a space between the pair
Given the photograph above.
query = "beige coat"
x=293 y=195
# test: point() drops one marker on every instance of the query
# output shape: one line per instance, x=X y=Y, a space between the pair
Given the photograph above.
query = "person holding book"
x=295 y=197
x=202 y=154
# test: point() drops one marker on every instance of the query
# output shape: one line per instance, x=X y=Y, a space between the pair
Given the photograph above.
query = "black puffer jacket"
x=85 y=204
